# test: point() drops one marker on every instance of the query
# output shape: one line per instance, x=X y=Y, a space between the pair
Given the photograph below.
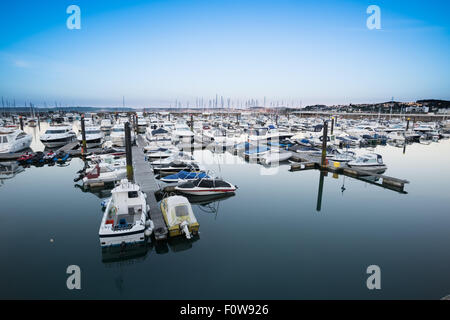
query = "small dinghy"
x=206 y=186
x=124 y=219
x=179 y=217
x=184 y=176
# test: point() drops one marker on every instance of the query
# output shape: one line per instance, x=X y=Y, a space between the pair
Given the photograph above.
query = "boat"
x=179 y=217
x=100 y=175
x=182 y=134
x=141 y=124
x=206 y=186
x=370 y=161
x=124 y=219
x=159 y=153
x=184 y=176
x=58 y=136
x=106 y=125
x=118 y=135
x=94 y=137
x=174 y=167
x=276 y=156
x=13 y=140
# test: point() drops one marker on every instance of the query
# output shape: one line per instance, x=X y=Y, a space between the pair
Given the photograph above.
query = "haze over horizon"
x=157 y=52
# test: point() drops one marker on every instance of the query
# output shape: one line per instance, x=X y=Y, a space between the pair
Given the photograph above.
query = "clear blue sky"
x=153 y=52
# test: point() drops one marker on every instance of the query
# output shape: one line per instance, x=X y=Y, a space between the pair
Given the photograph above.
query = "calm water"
x=269 y=241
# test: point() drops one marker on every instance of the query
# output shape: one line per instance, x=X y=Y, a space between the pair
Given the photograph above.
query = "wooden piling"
x=83 y=136
x=324 y=144
x=21 y=122
x=128 y=151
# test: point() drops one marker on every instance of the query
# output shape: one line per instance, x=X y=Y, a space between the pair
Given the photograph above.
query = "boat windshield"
x=55 y=131
x=181 y=211
x=93 y=132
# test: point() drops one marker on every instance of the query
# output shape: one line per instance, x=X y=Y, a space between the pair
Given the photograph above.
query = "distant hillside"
x=435 y=103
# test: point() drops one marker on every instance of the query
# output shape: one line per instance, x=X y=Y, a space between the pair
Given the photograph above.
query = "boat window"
x=5 y=139
x=181 y=211
x=21 y=136
x=118 y=129
x=222 y=184
x=133 y=194
x=55 y=131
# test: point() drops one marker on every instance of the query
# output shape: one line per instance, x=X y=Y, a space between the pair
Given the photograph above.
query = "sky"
x=154 y=53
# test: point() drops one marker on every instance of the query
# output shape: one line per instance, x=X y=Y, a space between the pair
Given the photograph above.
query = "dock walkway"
x=145 y=178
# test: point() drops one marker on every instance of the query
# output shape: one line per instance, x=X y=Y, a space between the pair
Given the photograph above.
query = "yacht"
x=94 y=137
x=118 y=135
x=106 y=125
x=141 y=124
x=13 y=140
x=124 y=219
x=58 y=136
x=182 y=134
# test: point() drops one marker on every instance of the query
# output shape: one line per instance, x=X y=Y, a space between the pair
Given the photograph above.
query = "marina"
x=225 y=221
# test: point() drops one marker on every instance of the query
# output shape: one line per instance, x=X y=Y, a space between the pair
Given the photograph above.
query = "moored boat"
x=124 y=219
x=179 y=217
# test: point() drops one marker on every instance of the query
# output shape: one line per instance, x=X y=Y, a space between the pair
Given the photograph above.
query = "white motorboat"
x=106 y=125
x=160 y=153
x=13 y=140
x=179 y=217
x=141 y=124
x=118 y=135
x=206 y=186
x=102 y=174
x=124 y=219
x=58 y=136
x=182 y=134
x=94 y=137
x=276 y=156
x=370 y=161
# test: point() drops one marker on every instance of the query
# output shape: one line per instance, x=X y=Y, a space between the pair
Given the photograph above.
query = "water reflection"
x=124 y=255
x=9 y=170
x=210 y=204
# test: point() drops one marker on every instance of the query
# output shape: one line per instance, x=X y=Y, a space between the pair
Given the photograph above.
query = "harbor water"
x=276 y=238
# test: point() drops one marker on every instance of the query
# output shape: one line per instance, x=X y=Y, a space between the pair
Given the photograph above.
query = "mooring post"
x=83 y=136
x=13 y=119
x=21 y=122
x=332 y=125
x=324 y=143
x=128 y=151
x=39 y=119
x=407 y=124
x=192 y=122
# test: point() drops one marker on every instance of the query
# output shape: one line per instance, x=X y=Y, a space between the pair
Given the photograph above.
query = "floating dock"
x=308 y=162
x=145 y=178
